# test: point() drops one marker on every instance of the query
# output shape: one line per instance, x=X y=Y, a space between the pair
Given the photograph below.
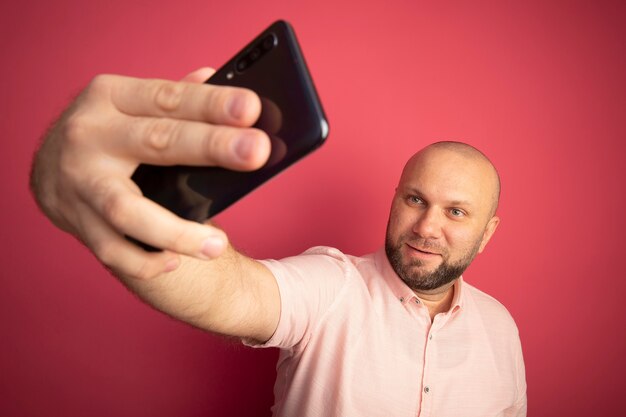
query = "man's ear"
x=490 y=229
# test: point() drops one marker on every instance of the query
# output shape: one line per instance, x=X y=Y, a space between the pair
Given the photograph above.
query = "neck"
x=438 y=300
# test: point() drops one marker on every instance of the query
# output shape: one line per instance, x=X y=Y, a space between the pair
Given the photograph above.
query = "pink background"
x=539 y=86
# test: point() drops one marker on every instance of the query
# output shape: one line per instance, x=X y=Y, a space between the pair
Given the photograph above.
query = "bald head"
x=466 y=159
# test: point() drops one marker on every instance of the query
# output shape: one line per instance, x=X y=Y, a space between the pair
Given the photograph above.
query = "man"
x=394 y=333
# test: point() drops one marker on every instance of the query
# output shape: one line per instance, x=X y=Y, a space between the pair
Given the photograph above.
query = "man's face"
x=441 y=217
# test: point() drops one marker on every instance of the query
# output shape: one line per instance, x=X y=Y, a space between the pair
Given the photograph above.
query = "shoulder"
x=311 y=285
x=334 y=255
x=318 y=259
x=318 y=266
x=489 y=308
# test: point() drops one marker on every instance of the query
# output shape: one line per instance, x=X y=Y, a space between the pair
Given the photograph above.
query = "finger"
x=165 y=141
x=121 y=256
x=180 y=100
x=199 y=76
x=121 y=205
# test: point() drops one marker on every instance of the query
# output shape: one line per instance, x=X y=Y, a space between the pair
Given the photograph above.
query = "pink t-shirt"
x=355 y=341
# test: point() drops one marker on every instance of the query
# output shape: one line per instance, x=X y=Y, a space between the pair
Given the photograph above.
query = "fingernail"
x=244 y=146
x=237 y=106
x=213 y=246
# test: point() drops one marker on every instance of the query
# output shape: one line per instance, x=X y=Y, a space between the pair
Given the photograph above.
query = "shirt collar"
x=402 y=292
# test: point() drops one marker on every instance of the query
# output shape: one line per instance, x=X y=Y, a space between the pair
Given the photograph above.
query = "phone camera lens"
x=255 y=54
x=269 y=42
x=241 y=65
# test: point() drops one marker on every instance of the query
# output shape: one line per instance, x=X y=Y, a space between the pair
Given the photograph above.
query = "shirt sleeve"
x=309 y=285
x=520 y=407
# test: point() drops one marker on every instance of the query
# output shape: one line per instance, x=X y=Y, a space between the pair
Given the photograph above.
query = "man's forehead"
x=446 y=169
x=454 y=173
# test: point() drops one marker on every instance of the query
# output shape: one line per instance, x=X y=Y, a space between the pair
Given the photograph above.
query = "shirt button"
x=417 y=301
x=426 y=390
x=402 y=299
x=430 y=337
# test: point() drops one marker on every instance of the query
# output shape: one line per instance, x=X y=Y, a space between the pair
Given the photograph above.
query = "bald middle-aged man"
x=394 y=333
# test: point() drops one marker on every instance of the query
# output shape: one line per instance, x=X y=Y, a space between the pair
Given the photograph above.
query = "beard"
x=409 y=271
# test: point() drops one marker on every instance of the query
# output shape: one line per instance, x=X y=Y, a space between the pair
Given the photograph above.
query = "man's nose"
x=429 y=223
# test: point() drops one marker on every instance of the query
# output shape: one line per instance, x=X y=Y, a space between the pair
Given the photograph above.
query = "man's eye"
x=457 y=213
x=414 y=199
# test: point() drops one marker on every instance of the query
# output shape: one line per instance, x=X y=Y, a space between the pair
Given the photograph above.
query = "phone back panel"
x=273 y=66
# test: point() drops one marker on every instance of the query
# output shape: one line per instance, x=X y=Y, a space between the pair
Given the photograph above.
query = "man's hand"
x=81 y=174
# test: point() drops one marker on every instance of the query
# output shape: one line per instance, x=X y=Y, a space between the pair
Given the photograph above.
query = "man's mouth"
x=419 y=249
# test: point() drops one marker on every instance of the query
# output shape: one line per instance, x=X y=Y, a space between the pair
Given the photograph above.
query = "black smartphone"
x=272 y=65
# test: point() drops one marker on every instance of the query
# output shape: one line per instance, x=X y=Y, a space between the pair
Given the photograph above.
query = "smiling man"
x=398 y=332
x=442 y=216
x=394 y=333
